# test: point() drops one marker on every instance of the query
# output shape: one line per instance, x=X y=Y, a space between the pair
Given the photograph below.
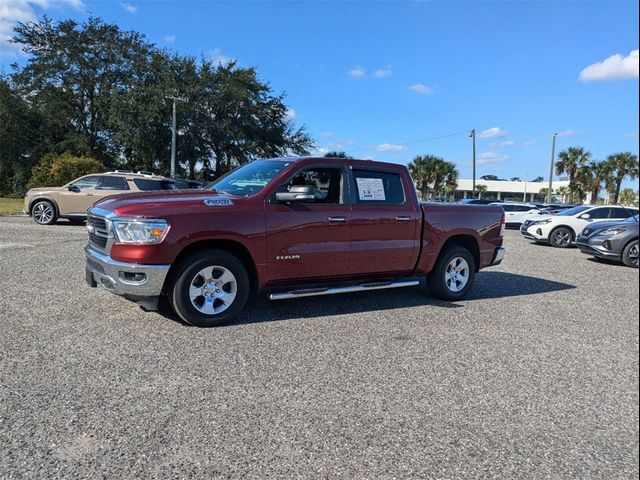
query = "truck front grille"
x=98 y=232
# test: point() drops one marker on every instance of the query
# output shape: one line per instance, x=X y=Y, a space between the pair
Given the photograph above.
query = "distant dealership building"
x=521 y=191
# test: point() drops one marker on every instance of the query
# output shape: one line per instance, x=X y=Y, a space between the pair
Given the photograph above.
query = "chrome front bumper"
x=498 y=256
x=121 y=278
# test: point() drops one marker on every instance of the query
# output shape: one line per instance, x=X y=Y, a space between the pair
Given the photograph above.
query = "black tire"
x=561 y=237
x=44 y=212
x=195 y=312
x=630 y=254
x=439 y=280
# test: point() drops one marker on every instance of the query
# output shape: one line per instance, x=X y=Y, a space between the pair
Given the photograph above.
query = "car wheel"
x=209 y=288
x=44 y=212
x=561 y=237
x=453 y=274
x=630 y=254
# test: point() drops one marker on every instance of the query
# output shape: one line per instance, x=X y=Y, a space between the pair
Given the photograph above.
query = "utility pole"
x=553 y=157
x=173 y=133
x=473 y=184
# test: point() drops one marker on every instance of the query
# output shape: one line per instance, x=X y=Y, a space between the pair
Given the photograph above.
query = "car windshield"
x=250 y=178
x=572 y=211
x=633 y=219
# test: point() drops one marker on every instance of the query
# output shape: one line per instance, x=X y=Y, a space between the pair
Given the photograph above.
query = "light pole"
x=473 y=182
x=553 y=157
x=173 y=133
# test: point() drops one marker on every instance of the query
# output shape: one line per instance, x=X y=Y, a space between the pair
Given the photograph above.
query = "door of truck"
x=311 y=239
x=385 y=222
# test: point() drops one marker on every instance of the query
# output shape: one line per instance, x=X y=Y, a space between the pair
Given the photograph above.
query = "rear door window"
x=618 y=212
x=113 y=183
x=146 y=184
x=378 y=188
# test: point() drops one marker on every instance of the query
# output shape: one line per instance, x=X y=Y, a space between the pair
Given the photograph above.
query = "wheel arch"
x=466 y=241
x=48 y=199
x=233 y=247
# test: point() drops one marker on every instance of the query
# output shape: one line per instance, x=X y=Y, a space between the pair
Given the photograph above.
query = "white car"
x=515 y=214
x=560 y=230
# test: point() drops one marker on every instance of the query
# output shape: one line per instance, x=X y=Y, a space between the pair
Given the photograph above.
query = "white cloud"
x=616 y=67
x=170 y=38
x=567 y=133
x=291 y=114
x=506 y=143
x=217 y=56
x=390 y=148
x=383 y=72
x=490 y=158
x=327 y=134
x=492 y=132
x=14 y=11
x=420 y=88
x=357 y=72
x=128 y=7
x=529 y=143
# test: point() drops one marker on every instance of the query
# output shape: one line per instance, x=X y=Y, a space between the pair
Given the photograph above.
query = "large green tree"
x=570 y=161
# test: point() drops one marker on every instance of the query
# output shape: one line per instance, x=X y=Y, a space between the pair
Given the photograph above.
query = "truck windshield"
x=250 y=178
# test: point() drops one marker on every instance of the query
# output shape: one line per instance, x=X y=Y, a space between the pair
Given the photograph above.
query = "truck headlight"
x=140 y=231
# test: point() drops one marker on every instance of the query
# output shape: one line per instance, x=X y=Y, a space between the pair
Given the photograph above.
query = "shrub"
x=57 y=170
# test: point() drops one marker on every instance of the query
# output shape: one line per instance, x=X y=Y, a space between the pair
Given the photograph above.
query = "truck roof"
x=337 y=159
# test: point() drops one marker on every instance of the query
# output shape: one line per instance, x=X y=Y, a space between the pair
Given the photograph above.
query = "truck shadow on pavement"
x=488 y=285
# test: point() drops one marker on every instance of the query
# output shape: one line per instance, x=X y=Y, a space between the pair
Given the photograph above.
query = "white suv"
x=516 y=214
x=560 y=230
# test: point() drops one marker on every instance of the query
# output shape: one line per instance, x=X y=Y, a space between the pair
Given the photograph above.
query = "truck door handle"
x=337 y=219
x=403 y=218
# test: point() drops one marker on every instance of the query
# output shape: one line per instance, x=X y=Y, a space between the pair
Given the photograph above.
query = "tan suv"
x=72 y=200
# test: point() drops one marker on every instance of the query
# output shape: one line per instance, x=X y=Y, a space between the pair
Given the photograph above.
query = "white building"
x=507 y=190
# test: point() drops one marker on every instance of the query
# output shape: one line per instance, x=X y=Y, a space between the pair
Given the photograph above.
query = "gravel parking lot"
x=535 y=375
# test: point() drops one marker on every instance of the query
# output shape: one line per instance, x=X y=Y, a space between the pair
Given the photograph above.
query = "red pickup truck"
x=292 y=227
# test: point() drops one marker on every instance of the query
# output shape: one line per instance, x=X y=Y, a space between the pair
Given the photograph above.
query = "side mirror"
x=297 y=193
x=73 y=188
x=585 y=216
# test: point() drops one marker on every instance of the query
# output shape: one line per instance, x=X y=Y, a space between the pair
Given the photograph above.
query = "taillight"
x=503 y=225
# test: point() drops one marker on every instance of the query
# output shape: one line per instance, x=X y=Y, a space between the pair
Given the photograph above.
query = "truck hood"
x=167 y=202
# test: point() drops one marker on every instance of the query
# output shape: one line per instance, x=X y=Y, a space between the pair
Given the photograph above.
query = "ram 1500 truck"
x=290 y=227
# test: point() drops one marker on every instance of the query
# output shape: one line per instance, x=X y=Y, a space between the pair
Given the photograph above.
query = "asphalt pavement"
x=535 y=375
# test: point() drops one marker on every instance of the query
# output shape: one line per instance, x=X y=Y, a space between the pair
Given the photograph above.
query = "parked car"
x=292 y=227
x=617 y=241
x=561 y=229
x=517 y=213
x=72 y=200
x=477 y=201
x=185 y=184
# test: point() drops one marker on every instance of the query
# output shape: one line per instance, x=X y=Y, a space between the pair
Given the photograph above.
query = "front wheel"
x=561 y=237
x=453 y=275
x=209 y=288
x=44 y=213
x=630 y=254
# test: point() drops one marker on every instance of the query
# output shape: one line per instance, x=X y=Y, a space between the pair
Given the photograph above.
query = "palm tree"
x=421 y=169
x=481 y=189
x=570 y=161
x=628 y=196
x=543 y=193
x=591 y=176
x=562 y=192
x=433 y=174
x=624 y=164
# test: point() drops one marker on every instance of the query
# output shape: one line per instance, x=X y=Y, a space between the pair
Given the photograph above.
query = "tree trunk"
x=617 y=194
x=571 y=187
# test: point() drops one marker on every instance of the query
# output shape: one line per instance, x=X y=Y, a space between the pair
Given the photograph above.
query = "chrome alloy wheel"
x=562 y=237
x=633 y=255
x=43 y=212
x=457 y=274
x=212 y=290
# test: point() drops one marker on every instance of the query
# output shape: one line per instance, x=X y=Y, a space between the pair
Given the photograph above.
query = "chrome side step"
x=364 y=287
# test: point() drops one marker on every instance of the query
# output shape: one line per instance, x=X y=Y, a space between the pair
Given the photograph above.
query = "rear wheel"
x=561 y=237
x=44 y=212
x=630 y=254
x=453 y=274
x=209 y=288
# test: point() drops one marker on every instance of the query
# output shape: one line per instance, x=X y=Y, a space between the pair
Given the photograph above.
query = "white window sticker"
x=370 y=189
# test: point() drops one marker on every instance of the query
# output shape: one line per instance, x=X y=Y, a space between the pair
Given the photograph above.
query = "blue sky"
x=371 y=77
